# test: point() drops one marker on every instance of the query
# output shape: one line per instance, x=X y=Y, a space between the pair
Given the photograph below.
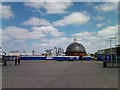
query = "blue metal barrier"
x=58 y=58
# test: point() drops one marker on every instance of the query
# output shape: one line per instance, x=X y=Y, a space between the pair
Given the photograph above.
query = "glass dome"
x=75 y=47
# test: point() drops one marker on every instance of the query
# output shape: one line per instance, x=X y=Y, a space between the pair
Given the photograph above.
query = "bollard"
x=104 y=63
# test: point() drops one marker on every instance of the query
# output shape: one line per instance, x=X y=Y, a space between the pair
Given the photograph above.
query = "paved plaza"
x=59 y=74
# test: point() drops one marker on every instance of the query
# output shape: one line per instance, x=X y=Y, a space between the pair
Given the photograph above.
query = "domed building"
x=75 y=49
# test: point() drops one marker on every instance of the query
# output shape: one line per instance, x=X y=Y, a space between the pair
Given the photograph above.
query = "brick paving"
x=59 y=74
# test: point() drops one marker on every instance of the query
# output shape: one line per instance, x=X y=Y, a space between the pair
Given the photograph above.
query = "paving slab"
x=59 y=74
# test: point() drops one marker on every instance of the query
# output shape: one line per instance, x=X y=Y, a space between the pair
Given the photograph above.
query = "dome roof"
x=75 y=47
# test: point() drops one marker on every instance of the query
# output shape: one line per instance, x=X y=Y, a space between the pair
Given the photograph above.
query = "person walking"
x=17 y=60
x=4 y=59
x=80 y=58
x=46 y=57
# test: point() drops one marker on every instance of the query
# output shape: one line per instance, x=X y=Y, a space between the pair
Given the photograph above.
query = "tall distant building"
x=75 y=49
x=55 y=51
x=60 y=51
x=49 y=51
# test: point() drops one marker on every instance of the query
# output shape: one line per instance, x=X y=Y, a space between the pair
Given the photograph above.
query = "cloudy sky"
x=38 y=26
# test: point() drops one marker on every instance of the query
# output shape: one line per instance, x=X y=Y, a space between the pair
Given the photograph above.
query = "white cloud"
x=14 y=38
x=20 y=33
x=57 y=41
x=62 y=42
x=104 y=33
x=109 y=31
x=100 y=25
x=75 y=18
x=6 y=11
x=48 y=30
x=100 y=18
x=57 y=7
x=89 y=4
x=91 y=40
x=107 y=7
x=36 y=22
x=36 y=5
x=110 y=0
x=60 y=0
x=94 y=40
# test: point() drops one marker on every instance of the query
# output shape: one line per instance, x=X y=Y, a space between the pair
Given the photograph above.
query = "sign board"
x=49 y=57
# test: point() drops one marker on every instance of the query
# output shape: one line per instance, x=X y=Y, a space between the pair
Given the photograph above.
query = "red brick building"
x=75 y=49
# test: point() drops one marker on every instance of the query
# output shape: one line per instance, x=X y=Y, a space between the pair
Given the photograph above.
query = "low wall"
x=62 y=58
x=58 y=58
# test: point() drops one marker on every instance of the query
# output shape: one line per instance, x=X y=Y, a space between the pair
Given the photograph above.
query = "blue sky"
x=43 y=25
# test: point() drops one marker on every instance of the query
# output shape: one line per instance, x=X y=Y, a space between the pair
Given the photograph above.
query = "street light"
x=110 y=50
x=115 y=46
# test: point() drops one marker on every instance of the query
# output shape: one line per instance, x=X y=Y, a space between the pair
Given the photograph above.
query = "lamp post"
x=115 y=50
x=115 y=46
x=110 y=49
